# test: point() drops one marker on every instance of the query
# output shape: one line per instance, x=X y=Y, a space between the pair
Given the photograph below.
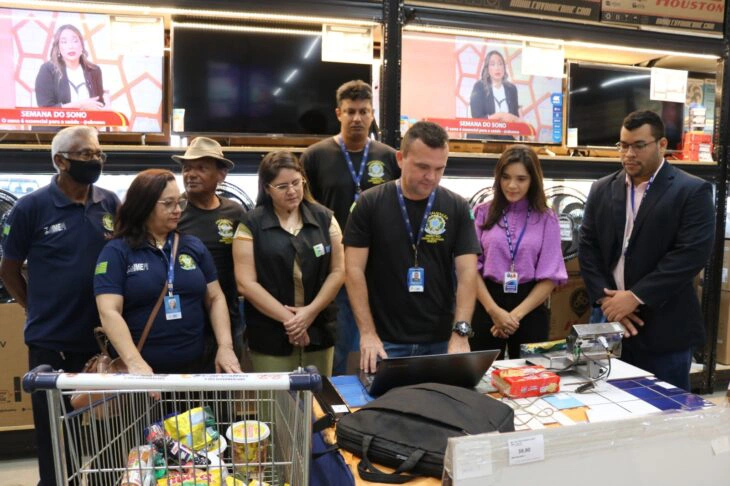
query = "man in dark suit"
x=647 y=231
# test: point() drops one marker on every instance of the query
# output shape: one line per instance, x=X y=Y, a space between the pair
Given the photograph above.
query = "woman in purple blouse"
x=521 y=260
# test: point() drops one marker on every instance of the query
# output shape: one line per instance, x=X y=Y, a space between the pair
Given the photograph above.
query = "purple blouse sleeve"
x=550 y=264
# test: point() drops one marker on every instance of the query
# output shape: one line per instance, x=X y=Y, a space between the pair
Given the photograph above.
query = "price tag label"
x=529 y=449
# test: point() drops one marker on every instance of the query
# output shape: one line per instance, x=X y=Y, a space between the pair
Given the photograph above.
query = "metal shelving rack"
x=394 y=15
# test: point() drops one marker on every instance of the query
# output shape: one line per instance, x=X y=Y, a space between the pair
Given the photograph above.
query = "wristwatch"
x=463 y=328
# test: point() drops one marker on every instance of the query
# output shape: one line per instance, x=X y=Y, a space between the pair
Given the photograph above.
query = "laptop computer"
x=458 y=369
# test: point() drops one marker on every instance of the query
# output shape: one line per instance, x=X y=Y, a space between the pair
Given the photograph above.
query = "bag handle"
x=369 y=472
x=156 y=308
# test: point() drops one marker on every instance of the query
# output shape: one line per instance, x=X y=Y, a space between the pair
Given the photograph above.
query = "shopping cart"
x=227 y=430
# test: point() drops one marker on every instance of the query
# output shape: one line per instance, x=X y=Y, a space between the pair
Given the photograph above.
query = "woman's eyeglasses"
x=171 y=204
x=285 y=186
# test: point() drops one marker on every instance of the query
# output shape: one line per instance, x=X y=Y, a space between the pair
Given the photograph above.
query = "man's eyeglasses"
x=87 y=155
x=637 y=146
x=285 y=186
x=171 y=204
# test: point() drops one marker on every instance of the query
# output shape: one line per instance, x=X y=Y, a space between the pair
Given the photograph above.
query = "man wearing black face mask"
x=60 y=229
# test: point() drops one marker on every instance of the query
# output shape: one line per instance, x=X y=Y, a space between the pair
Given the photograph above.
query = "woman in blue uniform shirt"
x=130 y=274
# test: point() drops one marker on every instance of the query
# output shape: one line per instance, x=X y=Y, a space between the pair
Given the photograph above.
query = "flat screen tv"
x=66 y=68
x=242 y=82
x=601 y=95
x=476 y=89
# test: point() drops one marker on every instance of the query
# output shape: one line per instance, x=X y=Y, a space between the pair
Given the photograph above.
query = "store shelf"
x=34 y=159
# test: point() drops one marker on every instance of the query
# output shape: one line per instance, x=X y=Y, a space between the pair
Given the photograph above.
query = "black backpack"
x=407 y=428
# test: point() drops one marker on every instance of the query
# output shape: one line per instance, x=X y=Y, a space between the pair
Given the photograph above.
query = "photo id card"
x=415 y=279
x=511 y=282
x=172 y=307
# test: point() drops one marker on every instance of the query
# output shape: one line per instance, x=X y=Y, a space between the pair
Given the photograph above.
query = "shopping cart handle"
x=306 y=381
x=42 y=377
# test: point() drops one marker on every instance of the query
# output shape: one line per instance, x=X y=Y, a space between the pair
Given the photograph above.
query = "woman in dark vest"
x=289 y=265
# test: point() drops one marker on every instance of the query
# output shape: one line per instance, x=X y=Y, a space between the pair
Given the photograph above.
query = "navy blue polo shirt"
x=61 y=240
x=138 y=276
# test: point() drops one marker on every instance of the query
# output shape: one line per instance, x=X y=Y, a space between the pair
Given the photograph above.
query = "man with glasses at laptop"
x=409 y=244
x=60 y=229
x=647 y=231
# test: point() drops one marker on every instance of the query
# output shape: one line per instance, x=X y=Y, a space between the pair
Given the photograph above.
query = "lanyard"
x=407 y=220
x=646 y=191
x=170 y=267
x=513 y=249
x=356 y=178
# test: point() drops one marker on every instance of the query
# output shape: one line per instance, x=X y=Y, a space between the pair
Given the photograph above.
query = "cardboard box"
x=569 y=305
x=725 y=274
x=725 y=285
x=525 y=381
x=15 y=407
x=723 y=331
x=572 y=266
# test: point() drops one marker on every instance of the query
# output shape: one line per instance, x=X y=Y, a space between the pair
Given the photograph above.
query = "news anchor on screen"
x=493 y=96
x=69 y=79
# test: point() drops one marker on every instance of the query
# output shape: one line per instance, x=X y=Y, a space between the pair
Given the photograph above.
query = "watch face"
x=462 y=328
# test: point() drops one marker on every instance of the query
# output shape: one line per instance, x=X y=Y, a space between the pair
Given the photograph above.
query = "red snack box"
x=525 y=381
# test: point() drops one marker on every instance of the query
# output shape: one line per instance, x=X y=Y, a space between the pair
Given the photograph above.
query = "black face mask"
x=84 y=172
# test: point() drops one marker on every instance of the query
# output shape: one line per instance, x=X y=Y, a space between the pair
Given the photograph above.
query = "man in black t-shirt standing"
x=402 y=243
x=214 y=220
x=338 y=169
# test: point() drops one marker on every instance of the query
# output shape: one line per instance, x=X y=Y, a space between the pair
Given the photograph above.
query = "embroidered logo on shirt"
x=376 y=172
x=225 y=230
x=108 y=222
x=137 y=267
x=186 y=262
x=435 y=227
x=54 y=228
x=101 y=268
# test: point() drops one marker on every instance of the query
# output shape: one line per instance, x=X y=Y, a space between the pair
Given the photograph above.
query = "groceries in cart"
x=195 y=428
x=186 y=449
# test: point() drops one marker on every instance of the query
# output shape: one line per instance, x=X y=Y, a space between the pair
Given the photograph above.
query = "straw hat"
x=203 y=147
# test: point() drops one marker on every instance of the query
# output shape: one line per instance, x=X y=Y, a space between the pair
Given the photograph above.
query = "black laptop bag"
x=407 y=428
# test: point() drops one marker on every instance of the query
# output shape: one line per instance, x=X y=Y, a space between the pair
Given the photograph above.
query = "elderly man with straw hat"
x=214 y=220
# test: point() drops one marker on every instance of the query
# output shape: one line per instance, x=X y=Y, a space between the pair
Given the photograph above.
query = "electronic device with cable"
x=590 y=348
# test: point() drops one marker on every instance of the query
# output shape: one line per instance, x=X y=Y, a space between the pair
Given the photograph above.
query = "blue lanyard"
x=170 y=267
x=356 y=178
x=648 y=186
x=513 y=249
x=402 y=203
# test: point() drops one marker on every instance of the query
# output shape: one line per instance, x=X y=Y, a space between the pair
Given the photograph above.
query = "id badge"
x=511 y=282
x=172 y=307
x=415 y=279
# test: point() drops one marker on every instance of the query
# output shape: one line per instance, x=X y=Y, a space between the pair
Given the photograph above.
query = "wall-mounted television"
x=476 y=88
x=65 y=68
x=601 y=95
x=255 y=82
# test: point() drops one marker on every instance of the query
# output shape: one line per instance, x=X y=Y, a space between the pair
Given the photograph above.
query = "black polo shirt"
x=330 y=179
x=376 y=223
x=215 y=228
